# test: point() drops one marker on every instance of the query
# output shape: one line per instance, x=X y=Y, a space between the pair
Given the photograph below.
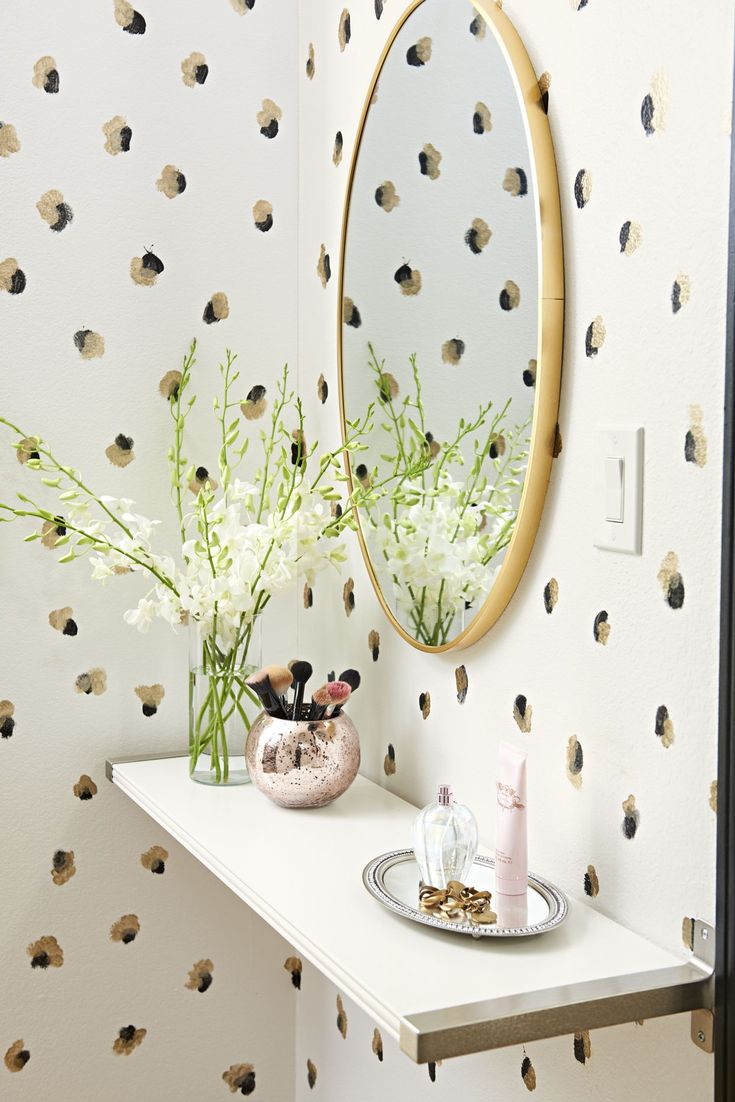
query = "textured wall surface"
x=637 y=107
x=78 y=277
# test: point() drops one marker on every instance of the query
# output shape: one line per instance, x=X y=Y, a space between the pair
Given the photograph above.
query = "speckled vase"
x=304 y=764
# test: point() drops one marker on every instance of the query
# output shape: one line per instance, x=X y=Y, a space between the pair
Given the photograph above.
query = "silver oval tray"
x=393 y=879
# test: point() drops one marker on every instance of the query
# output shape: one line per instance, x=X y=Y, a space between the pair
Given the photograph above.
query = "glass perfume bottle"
x=445 y=840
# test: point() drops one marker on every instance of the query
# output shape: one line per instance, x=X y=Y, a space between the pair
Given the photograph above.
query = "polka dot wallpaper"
x=603 y=667
x=151 y=165
x=131 y=164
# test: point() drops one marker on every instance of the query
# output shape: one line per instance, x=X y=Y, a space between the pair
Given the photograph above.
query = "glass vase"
x=221 y=707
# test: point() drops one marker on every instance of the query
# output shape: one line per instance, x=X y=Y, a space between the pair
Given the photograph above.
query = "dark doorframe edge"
x=725 y=937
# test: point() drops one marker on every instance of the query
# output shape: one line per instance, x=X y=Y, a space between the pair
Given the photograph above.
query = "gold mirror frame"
x=550 y=329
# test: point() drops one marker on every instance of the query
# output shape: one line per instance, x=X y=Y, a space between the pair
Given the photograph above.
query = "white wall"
x=653 y=366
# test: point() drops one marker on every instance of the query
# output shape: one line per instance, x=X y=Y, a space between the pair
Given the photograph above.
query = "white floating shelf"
x=439 y=995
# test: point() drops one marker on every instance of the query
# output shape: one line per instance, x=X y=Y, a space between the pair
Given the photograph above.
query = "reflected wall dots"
x=387 y=197
x=510 y=296
x=515 y=182
x=477 y=236
x=311 y=1074
x=420 y=53
x=408 y=279
x=311 y=62
x=482 y=122
x=429 y=160
x=350 y=314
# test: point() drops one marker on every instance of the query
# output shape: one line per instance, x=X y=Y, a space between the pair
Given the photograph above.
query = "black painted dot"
x=647 y=113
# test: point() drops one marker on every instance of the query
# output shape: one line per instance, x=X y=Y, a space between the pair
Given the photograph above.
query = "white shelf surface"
x=440 y=995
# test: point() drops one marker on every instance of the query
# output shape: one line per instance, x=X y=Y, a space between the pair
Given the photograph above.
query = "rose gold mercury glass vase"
x=302 y=764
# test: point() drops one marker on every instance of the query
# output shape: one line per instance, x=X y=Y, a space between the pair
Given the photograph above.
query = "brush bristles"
x=301 y=671
x=322 y=697
x=352 y=677
x=280 y=678
x=338 y=691
x=257 y=680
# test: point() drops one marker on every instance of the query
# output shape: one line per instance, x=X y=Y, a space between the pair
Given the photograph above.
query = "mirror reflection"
x=441 y=317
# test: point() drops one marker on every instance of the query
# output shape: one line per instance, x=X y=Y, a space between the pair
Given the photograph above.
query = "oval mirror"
x=451 y=318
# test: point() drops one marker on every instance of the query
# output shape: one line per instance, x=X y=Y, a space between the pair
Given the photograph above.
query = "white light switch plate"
x=625 y=445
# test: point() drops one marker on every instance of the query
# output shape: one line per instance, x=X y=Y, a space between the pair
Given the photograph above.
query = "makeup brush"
x=339 y=692
x=301 y=671
x=270 y=684
x=353 y=679
x=329 y=697
x=320 y=700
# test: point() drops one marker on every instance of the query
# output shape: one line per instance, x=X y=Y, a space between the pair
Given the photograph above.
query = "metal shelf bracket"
x=703 y=947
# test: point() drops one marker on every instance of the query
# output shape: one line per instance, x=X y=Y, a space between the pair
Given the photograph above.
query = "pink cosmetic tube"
x=511 y=834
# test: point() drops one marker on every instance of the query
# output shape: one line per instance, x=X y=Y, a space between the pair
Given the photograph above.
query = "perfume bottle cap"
x=445 y=796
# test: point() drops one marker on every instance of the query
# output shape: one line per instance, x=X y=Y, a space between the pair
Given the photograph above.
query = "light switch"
x=617 y=463
x=614 y=485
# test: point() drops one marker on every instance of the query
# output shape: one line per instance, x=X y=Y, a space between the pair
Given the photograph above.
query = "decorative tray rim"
x=372 y=878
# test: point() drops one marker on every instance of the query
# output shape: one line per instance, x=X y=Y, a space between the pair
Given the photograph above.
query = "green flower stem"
x=69 y=473
x=42 y=514
x=179 y=415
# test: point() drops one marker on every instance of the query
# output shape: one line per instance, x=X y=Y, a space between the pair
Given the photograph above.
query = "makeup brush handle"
x=298 y=700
